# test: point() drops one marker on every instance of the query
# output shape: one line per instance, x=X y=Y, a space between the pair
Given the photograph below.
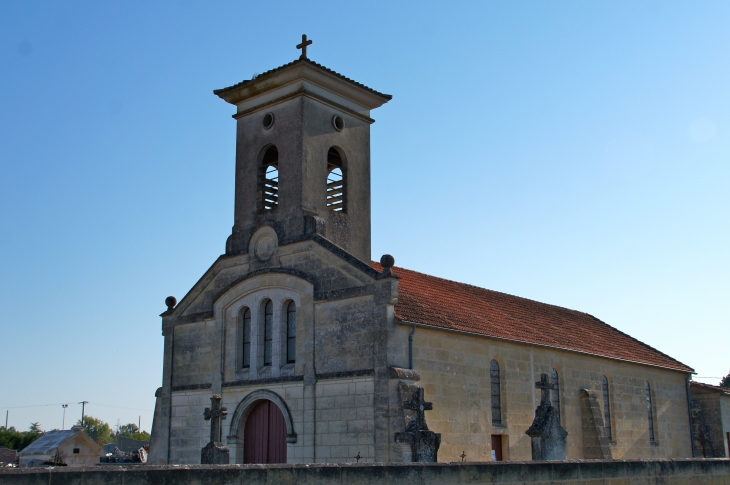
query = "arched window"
x=291 y=333
x=607 y=410
x=555 y=394
x=496 y=393
x=336 y=182
x=246 y=329
x=268 y=330
x=268 y=180
x=650 y=412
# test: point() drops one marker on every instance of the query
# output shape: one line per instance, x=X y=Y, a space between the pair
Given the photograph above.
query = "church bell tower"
x=303 y=155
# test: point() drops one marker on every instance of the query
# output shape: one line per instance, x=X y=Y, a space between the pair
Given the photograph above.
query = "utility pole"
x=83 y=404
x=139 y=425
x=6 y=418
x=64 y=406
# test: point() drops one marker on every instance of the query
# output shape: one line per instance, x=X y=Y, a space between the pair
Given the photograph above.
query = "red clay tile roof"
x=451 y=305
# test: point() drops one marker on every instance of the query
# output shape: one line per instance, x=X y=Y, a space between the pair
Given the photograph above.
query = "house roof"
x=450 y=305
x=710 y=387
x=50 y=441
x=224 y=91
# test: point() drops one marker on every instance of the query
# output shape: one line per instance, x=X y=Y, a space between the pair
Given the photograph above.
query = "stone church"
x=314 y=348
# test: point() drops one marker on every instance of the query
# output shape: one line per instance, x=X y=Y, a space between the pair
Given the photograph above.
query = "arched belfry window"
x=336 y=181
x=291 y=333
x=268 y=180
x=607 y=410
x=650 y=412
x=268 y=331
x=555 y=391
x=246 y=329
x=496 y=392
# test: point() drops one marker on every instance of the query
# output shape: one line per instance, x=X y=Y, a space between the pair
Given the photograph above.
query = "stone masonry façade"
x=454 y=371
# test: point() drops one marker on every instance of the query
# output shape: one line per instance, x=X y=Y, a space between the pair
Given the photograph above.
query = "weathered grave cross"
x=215 y=413
x=303 y=46
x=545 y=386
x=418 y=404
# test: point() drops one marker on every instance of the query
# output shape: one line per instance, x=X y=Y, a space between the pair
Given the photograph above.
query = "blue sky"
x=576 y=153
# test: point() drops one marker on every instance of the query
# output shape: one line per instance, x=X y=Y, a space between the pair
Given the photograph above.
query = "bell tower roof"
x=299 y=77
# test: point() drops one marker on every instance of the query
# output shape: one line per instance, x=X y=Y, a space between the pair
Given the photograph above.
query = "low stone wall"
x=594 y=472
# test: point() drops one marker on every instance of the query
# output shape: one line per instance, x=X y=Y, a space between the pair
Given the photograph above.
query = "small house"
x=73 y=446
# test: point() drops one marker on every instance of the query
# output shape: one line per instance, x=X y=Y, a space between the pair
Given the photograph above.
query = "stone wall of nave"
x=454 y=370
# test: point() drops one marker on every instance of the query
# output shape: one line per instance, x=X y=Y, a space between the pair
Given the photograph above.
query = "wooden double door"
x=265 y=434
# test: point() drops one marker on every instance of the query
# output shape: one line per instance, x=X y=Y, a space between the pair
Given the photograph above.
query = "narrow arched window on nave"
x=496 y=392
x=650 y=412
x=246 y=340
x=607 y=410
x=268 y=331
x=291 y=333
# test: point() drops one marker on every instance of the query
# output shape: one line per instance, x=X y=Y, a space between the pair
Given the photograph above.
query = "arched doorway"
x=264 y=436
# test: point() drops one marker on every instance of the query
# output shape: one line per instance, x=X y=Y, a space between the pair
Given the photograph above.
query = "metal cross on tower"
x=215 y=413
x=545 y=386
x=303 y=46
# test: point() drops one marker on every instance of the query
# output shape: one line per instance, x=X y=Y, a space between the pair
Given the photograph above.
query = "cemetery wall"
x=647 y=472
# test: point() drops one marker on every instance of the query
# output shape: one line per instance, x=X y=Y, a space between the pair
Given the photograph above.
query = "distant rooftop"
x=50 y=441
x=710 y=387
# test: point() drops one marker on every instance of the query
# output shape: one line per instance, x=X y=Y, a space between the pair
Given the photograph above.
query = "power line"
x=120 y=407
x=87 y=402
x=33 y=406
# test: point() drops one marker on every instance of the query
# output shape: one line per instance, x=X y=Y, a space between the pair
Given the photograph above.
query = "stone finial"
x=387 y=261
x=170 y=301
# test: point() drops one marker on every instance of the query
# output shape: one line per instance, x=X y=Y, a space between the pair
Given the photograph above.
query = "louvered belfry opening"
x=336 y=182
x=268 y=180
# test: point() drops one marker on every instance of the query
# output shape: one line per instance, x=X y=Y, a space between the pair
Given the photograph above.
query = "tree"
x=97 y=430
x=131 y=430
x=35 y=428
x=17 y=440
x=725 y=382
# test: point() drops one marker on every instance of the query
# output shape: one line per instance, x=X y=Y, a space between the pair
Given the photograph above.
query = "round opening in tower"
x=268 y=120
x=338 y=122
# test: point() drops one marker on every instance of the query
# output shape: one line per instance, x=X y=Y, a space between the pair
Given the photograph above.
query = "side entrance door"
x=264 y=438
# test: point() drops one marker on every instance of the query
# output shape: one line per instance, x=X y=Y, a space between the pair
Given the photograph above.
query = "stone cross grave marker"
x=545 y=387
x=214 y=414
x=419 y=405
x=546 y=433
x=424 y=443
x=215 y=453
